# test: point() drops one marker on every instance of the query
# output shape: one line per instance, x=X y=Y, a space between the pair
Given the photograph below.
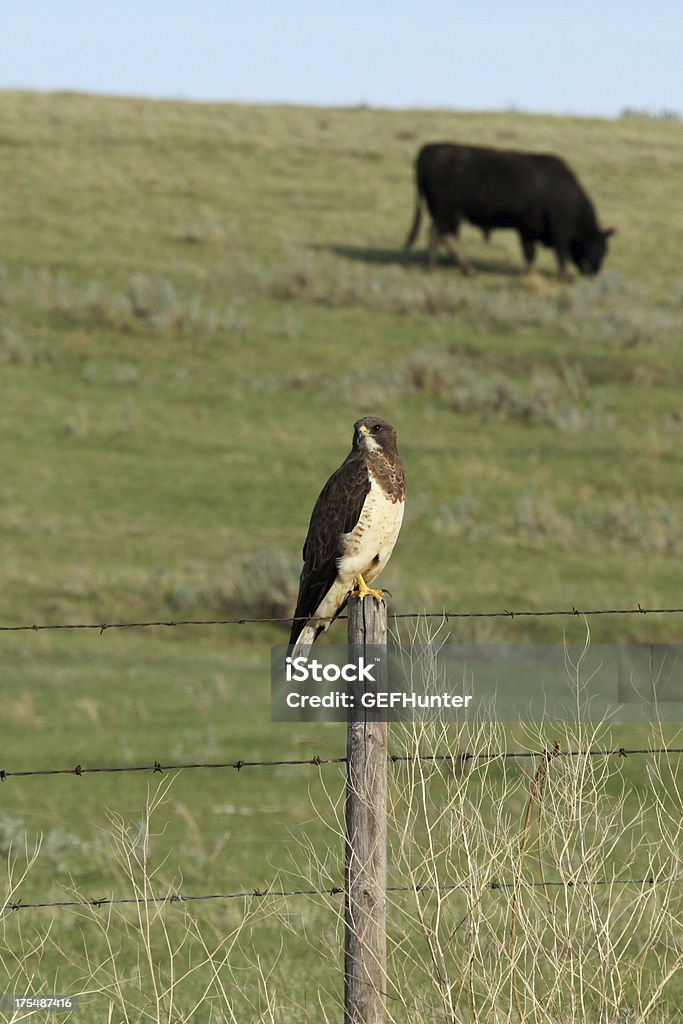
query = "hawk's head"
x=371 y=433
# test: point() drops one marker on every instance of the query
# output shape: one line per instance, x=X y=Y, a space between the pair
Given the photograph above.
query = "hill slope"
x=200 y=299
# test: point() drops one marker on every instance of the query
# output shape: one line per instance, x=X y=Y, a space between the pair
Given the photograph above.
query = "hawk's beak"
x=360 y=435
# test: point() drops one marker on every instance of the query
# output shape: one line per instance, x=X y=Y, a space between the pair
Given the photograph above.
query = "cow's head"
x=588 y=253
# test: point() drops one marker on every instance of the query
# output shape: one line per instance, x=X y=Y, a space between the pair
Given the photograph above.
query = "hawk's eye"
x=377 y=427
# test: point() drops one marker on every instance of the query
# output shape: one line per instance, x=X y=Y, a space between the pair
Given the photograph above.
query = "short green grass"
x=197 y=301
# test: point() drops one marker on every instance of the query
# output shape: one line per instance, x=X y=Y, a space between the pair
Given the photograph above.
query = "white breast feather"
x=373 y=535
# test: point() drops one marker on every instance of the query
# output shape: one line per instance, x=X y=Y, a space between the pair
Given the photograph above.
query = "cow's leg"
x=452 y=243
x=562 y=253
x=529 y=250
x=562 y=272
x=433 y=247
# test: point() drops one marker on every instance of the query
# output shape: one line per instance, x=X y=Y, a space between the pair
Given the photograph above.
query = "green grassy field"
x=196 y=302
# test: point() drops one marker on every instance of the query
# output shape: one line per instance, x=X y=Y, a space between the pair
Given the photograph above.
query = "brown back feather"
x=336 y=512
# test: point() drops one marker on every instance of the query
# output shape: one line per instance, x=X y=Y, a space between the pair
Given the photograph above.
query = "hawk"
x=352 y=532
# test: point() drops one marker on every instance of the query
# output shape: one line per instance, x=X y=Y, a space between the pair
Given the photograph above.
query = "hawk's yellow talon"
x=362 y=590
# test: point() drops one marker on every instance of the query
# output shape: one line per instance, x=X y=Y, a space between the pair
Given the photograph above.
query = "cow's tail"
x=419 y=203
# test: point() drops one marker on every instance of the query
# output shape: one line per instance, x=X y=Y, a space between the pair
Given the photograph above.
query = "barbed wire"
x=335 y=890
x=102 y=627
x=157 y=767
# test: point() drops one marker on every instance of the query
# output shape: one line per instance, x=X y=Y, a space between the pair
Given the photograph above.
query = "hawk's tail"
x=304 y=634
x=305 y=640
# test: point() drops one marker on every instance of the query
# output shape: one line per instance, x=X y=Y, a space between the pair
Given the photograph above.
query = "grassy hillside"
x=197 y=301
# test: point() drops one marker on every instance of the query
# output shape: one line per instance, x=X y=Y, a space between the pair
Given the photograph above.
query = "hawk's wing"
x=335 y=513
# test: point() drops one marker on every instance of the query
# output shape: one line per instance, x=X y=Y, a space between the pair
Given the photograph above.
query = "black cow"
x=534 y=193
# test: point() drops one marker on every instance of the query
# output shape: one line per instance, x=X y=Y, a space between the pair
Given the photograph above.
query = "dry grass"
x=555 y=399
x=558 y=937
x=146 y=305
x=517 y=914
x=626 y=522
x=606 y=310
x=256 y=586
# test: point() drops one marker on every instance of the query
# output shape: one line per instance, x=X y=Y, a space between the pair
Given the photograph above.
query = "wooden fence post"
x=365 y=940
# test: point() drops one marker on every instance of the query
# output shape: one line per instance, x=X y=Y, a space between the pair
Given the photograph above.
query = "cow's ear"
x=609 y=231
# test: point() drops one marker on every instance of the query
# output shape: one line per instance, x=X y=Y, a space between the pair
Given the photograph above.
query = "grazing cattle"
x=534 y=193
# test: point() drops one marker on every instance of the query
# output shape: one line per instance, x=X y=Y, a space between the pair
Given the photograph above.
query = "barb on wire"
x=157 y=767
x=335 y=890
x=102 y=627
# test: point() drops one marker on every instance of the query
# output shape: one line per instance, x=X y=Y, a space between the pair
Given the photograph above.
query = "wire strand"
x=108 y=901
x=157 y=767
x=102 y=627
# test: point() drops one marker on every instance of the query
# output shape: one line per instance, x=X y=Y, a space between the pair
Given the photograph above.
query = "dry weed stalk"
x=516 y=909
